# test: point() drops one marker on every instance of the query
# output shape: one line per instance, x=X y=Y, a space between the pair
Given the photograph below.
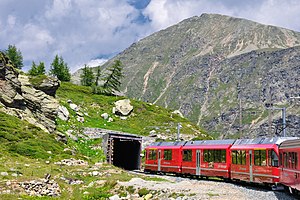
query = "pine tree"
x=37 y=69
x=87 y=76
x=41 y=68
x=33 y=69
x=60 y=69
x=15 y=56
x=112 y=81
x=98 y=75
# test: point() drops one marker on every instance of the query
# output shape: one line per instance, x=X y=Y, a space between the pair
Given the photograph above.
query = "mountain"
x=199 y=66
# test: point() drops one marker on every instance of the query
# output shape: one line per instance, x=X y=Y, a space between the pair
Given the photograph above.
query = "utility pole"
x=240 y=107
x=283 y=110
x=178 y=130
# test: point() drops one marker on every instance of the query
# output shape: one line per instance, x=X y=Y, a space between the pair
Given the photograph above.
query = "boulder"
x=115 y=197
x=105 y=116
x=110 y=119
x=74 y=107
x=123 y=107
x=63 y=113
x=148 y=196
x=177 y=112
x=49 y=85
x=4 y=174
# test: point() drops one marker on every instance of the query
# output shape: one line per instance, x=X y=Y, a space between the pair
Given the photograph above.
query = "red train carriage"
x=207 y=158
x=289 y=152
x=164 y=157
x=256 y=160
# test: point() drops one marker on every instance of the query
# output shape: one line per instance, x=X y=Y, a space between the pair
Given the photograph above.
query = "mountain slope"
x=178 y=67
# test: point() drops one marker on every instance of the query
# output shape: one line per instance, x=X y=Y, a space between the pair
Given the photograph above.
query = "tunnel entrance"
x=123 y=150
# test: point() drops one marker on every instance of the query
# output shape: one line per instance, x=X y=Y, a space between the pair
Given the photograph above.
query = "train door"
x=159 y=159
x=198 y=164
x=250 y=166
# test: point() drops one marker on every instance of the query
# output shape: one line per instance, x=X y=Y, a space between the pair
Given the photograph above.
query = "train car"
x=289 y=152
x=207 y=158
x=256 y=160
x=164 y=157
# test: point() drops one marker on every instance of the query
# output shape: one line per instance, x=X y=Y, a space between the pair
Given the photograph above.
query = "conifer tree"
x=15 y=56
x=33 y=69
x=60 y=69
x=112 y=81
x=87 y=76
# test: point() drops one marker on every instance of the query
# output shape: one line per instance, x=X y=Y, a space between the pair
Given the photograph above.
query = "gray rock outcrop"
x=18 y=97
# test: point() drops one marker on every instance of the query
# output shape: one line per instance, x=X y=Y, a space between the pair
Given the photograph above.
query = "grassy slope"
x=145 y=117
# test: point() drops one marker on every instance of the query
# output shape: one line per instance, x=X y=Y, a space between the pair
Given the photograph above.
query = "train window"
x=238 y=157
x=167 y=154
x=285 y=159
x=233 y=157
x=152 y=155
x=206 y=156
x=223 y=156
x=272 y=158
x=296 y=160
x=260 y=157
x=216 y=155
x=187 y=155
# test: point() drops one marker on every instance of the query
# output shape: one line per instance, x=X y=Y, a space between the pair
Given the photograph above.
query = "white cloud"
x=81 y=30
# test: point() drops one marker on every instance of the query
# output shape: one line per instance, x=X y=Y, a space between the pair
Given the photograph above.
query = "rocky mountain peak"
x=206 y=65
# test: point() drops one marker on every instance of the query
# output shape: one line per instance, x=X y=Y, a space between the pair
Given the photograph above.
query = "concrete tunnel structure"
x=123 y=150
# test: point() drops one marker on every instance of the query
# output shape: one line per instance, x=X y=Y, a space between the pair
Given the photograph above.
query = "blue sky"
x=90 y=31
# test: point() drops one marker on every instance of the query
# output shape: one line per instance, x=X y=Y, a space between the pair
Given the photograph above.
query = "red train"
x=250 y=160
x=289 y=152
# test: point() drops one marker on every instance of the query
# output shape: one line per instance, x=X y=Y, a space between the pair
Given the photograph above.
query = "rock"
x=152 y=133
x=61 y=137
x=20 y=98
x=49 y=152
x=115 y=197
x=14 y=174
x=4 y=174
x=74 y=107
x=123 y=118
x=114 y=110
x=80 y=119
x=47 y=162
x=49 y=85
x=63 y=113
x=105 y=116
x=70 y=135
x=79 y=114
x=72 y=162
x=69 y=101
x=177 y=112
x=110 y=119
x=95 y=173
x=86 y=193
x=123 y=107
x=148 y=196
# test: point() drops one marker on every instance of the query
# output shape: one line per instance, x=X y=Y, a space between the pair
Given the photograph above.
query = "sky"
x=92 y=31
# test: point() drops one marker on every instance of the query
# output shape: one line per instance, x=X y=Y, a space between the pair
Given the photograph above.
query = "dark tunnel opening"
x=126 y=154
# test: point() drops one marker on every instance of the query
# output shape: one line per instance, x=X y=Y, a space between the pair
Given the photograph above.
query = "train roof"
x=291 y=143
x=160 y=144
x=259 y=141
x=210 y=142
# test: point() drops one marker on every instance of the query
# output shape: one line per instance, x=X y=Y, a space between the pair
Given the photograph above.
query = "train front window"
x=152 y=155
x=273 y=158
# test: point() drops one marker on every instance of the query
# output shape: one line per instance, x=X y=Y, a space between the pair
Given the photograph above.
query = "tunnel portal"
x=123 y=150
